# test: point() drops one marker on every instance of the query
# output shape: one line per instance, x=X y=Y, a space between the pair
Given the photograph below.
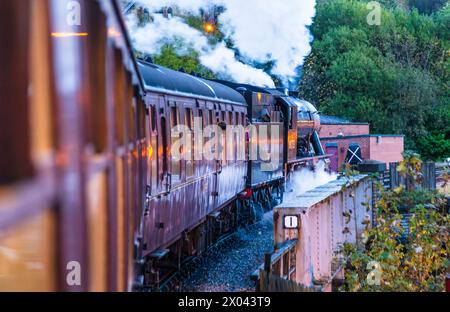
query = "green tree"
x=394 y=76
x=188 y=62
x=427 y=6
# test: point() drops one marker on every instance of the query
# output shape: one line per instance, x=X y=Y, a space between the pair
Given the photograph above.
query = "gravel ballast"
x=228 y=268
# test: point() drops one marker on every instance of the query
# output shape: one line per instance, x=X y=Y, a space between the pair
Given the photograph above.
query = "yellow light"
x=209 y=28
x=150 y=152
x=69 y=34
x=112 y=32
x=259 y=97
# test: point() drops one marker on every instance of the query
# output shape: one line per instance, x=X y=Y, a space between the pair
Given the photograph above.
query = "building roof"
x=333 y=120
x=363 y=136
x=162 y=78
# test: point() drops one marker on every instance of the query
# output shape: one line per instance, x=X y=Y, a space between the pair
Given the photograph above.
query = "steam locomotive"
x=190 y=204
x=90 y=184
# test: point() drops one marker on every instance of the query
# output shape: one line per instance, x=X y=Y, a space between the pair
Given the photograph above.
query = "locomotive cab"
x=265 y=134
x=302 y=124
x=266 y=163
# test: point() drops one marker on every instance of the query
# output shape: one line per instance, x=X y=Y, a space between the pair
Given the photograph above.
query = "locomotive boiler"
x=299 y=145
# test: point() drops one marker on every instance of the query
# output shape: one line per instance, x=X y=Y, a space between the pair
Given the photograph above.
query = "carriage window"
x=189 y=155
x=141 y=120
x=153 y=112
x=164 y=143
x=189 y=118
x=200 y=116
x=238 y=140
x=119 y=94
x=96 y=114
x=176 y=161
x=202 y=123
x=230 y=142
x=224 y=117
x=211 y=117
x=223 y=141
x=131 y=104
x=174 y=117
x=291 y=118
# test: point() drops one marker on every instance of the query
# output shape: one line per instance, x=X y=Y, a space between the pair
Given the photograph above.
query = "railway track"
x=173 y=282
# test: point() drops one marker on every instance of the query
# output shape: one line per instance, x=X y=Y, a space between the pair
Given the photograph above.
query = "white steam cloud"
x=261 y=30
x=271 y=30
x=217 y=58
x=305 y=180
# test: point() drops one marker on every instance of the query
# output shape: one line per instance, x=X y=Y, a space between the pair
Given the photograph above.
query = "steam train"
x=91 y=195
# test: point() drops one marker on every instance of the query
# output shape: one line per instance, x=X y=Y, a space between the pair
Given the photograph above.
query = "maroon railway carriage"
x=190 y=203
x=72 y=133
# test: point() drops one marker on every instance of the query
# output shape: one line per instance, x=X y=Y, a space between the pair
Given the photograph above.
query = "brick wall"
x=333 y=130
x=387 y=148
x=344 y=143
x=382 y=148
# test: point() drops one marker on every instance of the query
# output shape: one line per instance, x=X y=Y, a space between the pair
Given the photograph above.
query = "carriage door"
x=332 y=150
x=153 y=172
x=163 y=146
x=215 y=162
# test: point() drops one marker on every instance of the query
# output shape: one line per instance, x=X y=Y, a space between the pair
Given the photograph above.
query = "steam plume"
x=261 y=30
x=306 y=180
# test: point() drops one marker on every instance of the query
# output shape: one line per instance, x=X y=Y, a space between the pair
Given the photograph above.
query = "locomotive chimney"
x=285 y=91
x=241 y=90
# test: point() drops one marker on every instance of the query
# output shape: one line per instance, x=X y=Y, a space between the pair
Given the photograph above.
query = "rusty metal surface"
x=323 y=227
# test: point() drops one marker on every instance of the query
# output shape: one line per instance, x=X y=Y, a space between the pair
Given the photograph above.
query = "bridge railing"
x=280 y=263
x=431 y=172
x=320 y=222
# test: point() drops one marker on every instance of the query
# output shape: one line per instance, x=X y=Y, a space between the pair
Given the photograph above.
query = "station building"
x=351 y=142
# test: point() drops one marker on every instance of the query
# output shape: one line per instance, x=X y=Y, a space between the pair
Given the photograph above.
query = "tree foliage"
x=188 y=62
x=394 y=76
x=398 y=255
x=427 y=6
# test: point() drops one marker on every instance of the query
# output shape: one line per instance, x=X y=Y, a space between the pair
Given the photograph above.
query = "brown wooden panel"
x=15 y=161
x=72 y=98
x=119 y=95
x=42 y=110
x=120 y=226
x=112 y=183
x=28 y=255
x=96 y=24
x=97 y=198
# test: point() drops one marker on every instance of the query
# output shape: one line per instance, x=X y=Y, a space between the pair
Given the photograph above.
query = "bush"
x=399 y=253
